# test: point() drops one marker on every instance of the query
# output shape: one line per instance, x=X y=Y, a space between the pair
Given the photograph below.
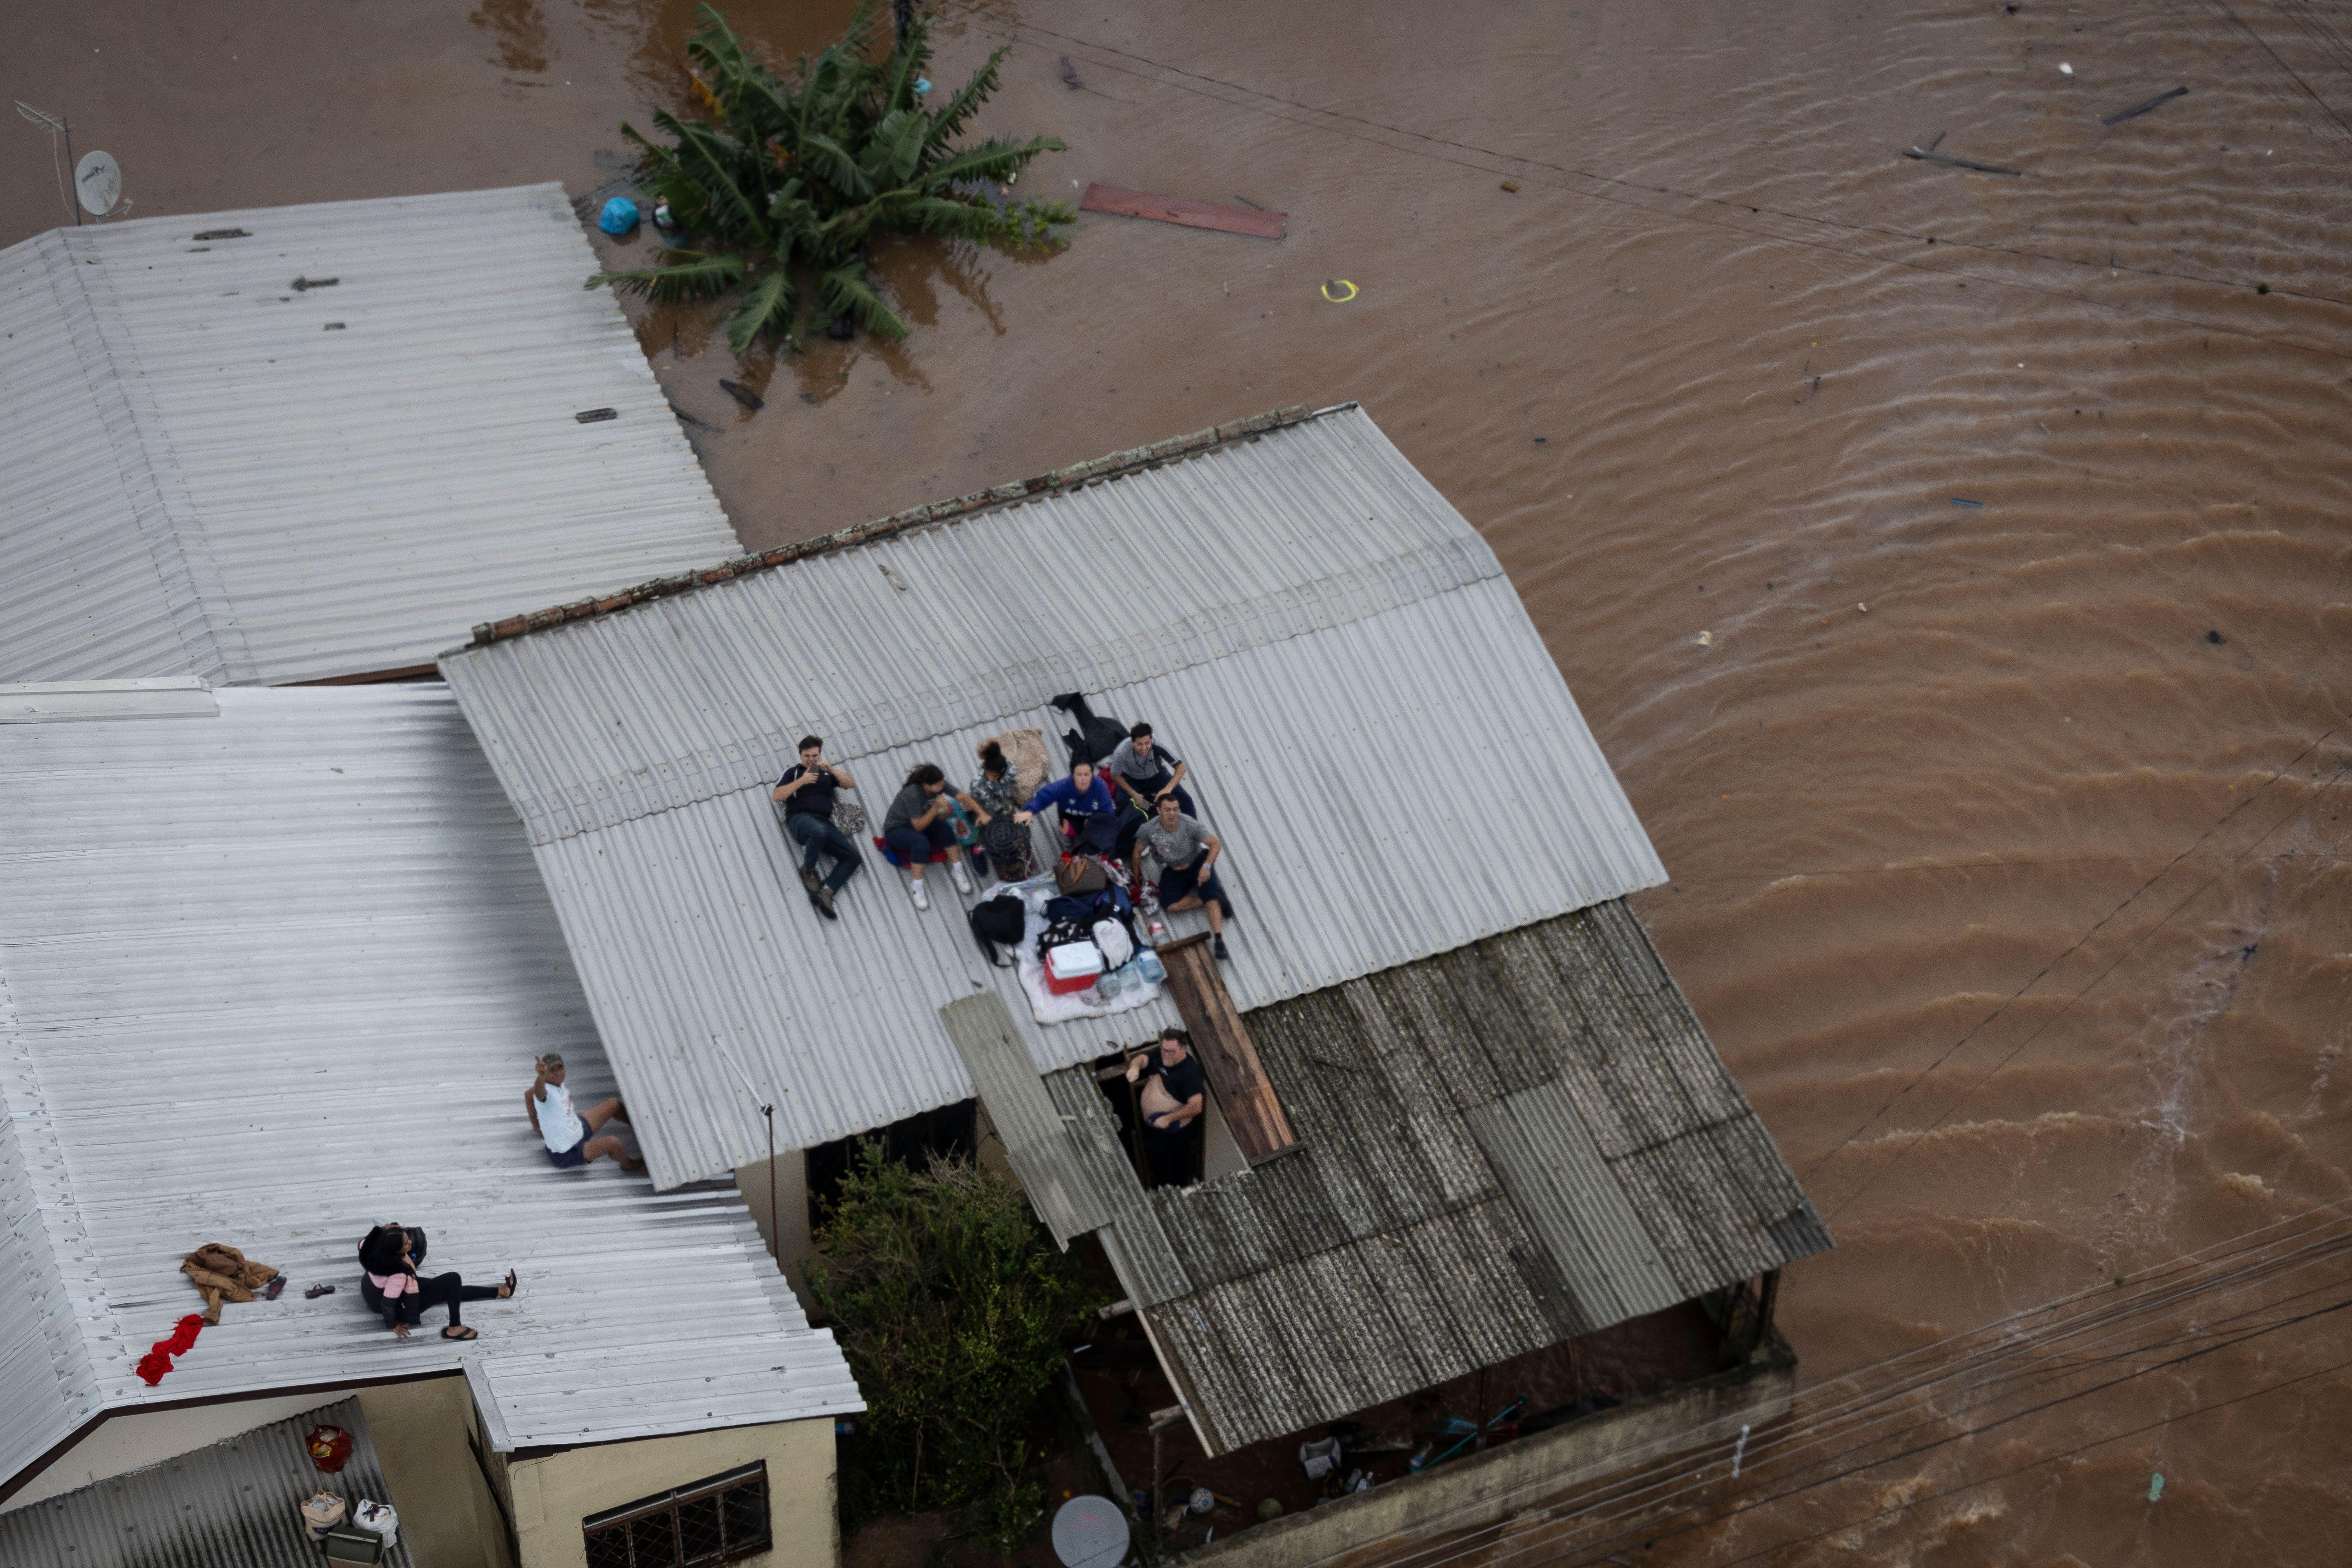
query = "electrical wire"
x=2047 y=1023
x=2164 y=1287
x=1009 y=30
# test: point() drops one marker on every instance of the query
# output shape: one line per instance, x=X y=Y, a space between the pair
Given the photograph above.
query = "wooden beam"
x=1254 y=222
x=1228 y=1056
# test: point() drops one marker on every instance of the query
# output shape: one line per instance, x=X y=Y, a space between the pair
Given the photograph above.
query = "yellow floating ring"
x=1339 y=283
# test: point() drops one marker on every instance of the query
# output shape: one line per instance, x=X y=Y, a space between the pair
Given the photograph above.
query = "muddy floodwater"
x=1954 y=565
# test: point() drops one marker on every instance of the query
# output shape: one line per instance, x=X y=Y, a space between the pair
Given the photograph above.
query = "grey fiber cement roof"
x=1504 y=1146
x=289 y=444
x=272 y=976
x=232 y=1504
x=1289 y=601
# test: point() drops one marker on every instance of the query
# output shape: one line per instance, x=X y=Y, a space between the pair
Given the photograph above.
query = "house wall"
x=553 y=1493
x=1464 y=1494
x=419 y=1431
x=792 y=1245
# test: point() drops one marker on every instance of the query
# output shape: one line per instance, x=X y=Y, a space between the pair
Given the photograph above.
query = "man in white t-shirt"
x=572 y=1135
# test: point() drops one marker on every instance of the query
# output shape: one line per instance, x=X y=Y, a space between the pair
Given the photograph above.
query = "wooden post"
x=1228 y=1057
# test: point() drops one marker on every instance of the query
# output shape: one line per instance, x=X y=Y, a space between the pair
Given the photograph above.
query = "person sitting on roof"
x=918 y=824
x=1144 y=770
x=570 y=1135
x=1174 y=1095
x=1187 y=853
x=996 y=798
x=806 y=793
x=390 y=1285
x=1090 y=812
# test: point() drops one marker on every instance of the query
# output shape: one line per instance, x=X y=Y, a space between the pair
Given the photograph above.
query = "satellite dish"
x=98 y=183
x=1090 y=1532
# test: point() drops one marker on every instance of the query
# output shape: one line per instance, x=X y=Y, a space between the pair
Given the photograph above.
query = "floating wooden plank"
x=1257 y=224
x=2136 y=110
x=1227 y=1055
x=1930 y=156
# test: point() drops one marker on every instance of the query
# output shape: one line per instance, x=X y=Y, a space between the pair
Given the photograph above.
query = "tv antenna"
x=57 y=126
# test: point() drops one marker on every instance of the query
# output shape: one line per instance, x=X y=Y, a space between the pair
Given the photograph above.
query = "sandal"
x=459 y=1331
x=507 y=1287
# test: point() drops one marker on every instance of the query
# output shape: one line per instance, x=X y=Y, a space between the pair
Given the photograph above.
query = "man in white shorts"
x=570 y=1135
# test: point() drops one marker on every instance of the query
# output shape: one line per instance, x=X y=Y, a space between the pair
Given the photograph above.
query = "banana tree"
x=775 y=189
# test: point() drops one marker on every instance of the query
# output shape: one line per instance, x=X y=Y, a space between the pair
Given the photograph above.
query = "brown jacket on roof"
x=222 y=1271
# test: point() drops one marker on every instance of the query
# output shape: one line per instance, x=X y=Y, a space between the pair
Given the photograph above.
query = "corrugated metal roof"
x=1293 y=611
x=1453 y=1202
x=326 y=446
x=271 y=978
x=237 y=1501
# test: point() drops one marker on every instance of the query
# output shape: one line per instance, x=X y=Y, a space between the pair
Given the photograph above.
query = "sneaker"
x=821 y=899
x=1217 y=946
x=809 y=880
x=962 y=877
x=1226 y=906
x=922 y=899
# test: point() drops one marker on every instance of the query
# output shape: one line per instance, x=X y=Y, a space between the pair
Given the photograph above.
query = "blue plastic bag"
x=619 y=216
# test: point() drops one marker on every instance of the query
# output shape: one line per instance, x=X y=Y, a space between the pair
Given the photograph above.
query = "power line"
x=2163 y=1289
x=998 y=27
x=2050 y=1022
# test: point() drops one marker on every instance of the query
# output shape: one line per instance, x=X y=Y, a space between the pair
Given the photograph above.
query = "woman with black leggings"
x=390 y=1283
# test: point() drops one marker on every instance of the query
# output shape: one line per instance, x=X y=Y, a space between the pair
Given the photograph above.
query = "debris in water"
x=1958 y=502
x=2216 y=638
x=619 y=216
x=1070 y=75
x=1864 y=608
x=2136 y=110
x=1510 y=184
x=1949 y=161
x=1339 y=283
x=2156 y=1485
x=1256 y=224
x=1704 y=640
x=2066 y=70
x=743 y=394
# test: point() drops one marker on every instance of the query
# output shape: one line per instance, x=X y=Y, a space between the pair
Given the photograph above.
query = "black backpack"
x=998 y=922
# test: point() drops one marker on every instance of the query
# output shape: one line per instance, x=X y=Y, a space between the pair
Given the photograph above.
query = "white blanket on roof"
x=1130 y=989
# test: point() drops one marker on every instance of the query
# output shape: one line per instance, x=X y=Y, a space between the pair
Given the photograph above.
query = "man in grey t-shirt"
x=1187 y=853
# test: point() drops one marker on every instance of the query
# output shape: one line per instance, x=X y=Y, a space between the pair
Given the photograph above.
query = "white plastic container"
x=1073 y=966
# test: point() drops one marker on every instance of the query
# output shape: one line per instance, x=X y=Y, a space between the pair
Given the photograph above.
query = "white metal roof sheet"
x=271 y=978
x=1298 y=614
x=324 y=441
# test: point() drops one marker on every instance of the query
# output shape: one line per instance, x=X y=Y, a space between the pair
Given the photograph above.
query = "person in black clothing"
x=1174 y=1095
x=805 y=792
x=390 y=1285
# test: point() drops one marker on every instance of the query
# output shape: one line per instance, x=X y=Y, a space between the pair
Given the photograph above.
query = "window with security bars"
x=722 y=1520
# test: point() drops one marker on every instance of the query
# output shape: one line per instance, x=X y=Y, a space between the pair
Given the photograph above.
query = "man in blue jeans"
x=805 y=792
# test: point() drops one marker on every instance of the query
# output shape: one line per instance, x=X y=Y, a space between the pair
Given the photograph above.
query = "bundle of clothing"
x=222 y=1272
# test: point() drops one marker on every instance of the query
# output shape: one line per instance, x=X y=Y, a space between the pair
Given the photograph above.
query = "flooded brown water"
x=2008 y=837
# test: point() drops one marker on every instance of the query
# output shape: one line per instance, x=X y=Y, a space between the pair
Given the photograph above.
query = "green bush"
x=782 y=184
x=952 y=1304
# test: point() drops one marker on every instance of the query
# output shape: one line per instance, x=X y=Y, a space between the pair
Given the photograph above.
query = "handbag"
x=1081 y=874
x=849 y=816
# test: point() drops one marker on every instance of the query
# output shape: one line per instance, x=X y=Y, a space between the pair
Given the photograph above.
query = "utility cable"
x=1817 y=1426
